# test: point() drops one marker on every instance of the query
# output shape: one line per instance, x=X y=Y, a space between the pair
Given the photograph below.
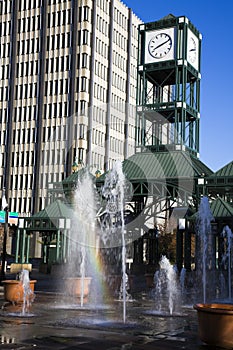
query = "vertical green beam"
x=184 y=109
x=22 y=256
x=197 y=138
x=58 y=245
x=144 y=94
x=17 y=245
x=64 y=245
x=27 y=248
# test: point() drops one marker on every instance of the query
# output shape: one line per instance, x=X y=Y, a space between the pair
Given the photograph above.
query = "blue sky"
x=214 y=20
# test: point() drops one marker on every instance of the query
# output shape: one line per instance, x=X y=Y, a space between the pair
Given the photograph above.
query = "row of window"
x=100 y=93
x=23 y=206
x=27 y=68
x=22 y=136
x=27 y=24
x=120 y=18
x=4 y=93
x=57 y=64
x=104 y=5
x=5 y=50
x=117 y=123
x=5 y=28
x=118 y=81
x=101 y=48
x=25 y=113
x=120 y=40
x=99 y=137
x=58 y=18
x=119 y=61
x=4 y=71
x=56 y=87
x=116 y=145
x=101 y=70
x=53 y=157
x=58 y=41
x=102 y=25
x=24 y=47
x=54 y=110
x=26 y=158
x=98 y=160
x=29 y=4
x=99 y=115
x=54 y=133
x=26 y=91
x=5 y=7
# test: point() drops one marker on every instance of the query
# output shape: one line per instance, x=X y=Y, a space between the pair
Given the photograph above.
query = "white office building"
x=68 y=71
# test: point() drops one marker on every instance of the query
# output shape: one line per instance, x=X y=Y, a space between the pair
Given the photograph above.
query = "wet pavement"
x=54 y=322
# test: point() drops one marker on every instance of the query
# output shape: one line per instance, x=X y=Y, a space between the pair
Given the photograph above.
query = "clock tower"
x=168 y=89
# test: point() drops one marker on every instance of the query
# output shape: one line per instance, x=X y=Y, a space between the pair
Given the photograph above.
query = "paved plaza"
x=54 y=323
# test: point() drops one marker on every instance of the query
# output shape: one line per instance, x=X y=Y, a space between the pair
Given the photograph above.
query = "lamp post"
x=5 y=209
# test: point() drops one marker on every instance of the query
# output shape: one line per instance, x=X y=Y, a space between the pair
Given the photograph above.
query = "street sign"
x=2 y=216
x=13 y=218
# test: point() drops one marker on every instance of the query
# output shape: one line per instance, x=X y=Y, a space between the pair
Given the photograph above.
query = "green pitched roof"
x=161 y=165
x=73 y=178
x=226 y=171
x=57 y=209
x=221 y=209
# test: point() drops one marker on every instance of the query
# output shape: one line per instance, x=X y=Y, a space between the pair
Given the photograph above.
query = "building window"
x=85 y=13
x=84 y=60
x=81 y=131
x=83 y=105
x=83 y=86
x=85 y=37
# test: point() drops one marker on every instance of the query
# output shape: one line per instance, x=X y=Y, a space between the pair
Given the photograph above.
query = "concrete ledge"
x=16 y=267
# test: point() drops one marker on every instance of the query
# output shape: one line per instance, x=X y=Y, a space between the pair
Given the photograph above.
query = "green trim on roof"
x=73 y=178
x=161 y=165
x=221 y=209
x=57 y=209
x=226 y=171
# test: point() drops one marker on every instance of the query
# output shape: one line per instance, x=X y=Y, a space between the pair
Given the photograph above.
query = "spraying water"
x=113 y=191
x=204 y=219
x=83 y=234
x=226 y=233
x=167 y=292
x=28 y=294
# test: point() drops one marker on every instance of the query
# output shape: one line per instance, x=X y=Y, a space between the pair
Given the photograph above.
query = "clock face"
x=192 y=50
x=160 y=45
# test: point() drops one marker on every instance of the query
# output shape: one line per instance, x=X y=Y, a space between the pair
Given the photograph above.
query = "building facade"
x=67 y=92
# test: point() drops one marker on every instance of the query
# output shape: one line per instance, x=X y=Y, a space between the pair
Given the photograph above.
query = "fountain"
x=166 y=292
x=204 y=250
x=226 y=259
x=20 y=291
x=82 y=241
x=113 y=230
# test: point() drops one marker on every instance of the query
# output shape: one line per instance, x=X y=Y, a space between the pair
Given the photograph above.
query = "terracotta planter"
x=14 y=291
x=149 y=280
x=74 y=286
x=215 y=324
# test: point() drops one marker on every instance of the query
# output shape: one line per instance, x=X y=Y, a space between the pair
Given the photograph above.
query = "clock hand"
x=192 y=50
x=160 y=45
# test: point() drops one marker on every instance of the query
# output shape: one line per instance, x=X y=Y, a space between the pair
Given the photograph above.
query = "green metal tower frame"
x=168 y=86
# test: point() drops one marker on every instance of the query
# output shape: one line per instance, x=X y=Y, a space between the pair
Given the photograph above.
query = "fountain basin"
x=74 y=286
x=215 y=324
x=14 y=290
